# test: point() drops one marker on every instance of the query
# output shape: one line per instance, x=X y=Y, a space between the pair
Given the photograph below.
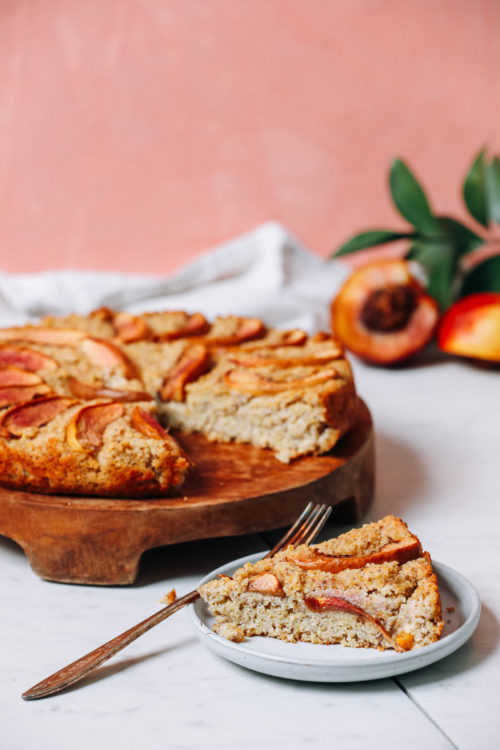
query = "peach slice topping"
x=148 y=426
x=89 y=391
x=130 y=327
x=267 y=583
x=402 y=551
x=85 y=431
x=28 y=359
x=294 y=337
x=49 y=336
x=34 y=414
x=321 y=356
x=246 y=330
x=193 y=362
x=195 y=325
x=17 y=376
x=250 y=382
x=17 y=394
x=337 y=603
x=107 y=355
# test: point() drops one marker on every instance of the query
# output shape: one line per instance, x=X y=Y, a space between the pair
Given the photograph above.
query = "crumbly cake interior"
x=371 y=587
x=232 y=380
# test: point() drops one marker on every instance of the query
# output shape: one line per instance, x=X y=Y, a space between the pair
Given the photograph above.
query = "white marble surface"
x=438 y=466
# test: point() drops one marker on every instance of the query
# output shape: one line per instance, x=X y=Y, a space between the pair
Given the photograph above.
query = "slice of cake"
x=370 y=587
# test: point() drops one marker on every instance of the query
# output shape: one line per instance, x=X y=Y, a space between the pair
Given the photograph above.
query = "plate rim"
x=392 y=665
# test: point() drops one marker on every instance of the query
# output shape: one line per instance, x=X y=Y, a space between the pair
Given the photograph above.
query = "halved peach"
x=328 y=353
x=471 y=327
x=36 y=413
x=90 y=391
x=11 y=375
x=383 y=313
x=28 y=359
x=294 y=337
x=85 y=431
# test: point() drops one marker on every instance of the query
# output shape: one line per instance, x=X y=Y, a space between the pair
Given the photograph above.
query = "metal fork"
x=304 y=530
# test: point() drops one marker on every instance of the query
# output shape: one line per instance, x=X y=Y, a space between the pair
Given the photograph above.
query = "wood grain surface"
x=233 y=489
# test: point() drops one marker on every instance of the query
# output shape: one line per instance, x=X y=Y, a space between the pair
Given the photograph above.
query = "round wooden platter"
x=233 y=489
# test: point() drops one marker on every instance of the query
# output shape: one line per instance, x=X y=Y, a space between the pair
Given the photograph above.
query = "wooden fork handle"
x=85 y=664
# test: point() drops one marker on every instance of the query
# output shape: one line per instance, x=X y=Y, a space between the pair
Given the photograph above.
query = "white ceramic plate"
x=315 y=663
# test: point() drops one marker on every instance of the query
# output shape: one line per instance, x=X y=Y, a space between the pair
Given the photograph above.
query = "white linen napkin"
x=266 y=273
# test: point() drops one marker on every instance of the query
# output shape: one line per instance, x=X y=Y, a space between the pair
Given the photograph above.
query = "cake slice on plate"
x=370 y=587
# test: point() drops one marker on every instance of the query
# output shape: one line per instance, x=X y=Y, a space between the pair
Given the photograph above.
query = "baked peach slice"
x=36 y=413
x=129 y=327
x=402 y=551
x=12 y=375
x=330 y=603
x=266 y=583
x=246 y=381
x=193 y=362
x=383 y=313
x=85 y=431
x=40 y=335
x=107 y=355
x=471 y=327
x=89 y=391
x=147 y=425
x=247 y=329
x=28 y=359
x=194 y=325
x=10 y=395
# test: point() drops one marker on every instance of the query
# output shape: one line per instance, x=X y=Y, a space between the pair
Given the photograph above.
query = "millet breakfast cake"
x=370 y=587
x=86 y=401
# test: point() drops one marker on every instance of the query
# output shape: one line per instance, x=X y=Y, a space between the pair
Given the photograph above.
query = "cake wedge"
x=372 y=587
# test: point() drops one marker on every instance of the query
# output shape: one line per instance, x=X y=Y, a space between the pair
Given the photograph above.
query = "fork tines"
x=306 y=527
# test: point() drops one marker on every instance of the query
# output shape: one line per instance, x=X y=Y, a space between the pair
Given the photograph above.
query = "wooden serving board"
x=233 y=489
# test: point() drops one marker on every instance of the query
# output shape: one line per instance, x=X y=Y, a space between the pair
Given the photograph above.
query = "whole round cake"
x=87 y=402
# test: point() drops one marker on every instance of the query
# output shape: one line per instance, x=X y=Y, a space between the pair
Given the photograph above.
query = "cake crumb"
x=169 y=598
x=230 y=632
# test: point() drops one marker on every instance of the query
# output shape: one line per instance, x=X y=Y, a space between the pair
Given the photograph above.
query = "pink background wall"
x=135 y=134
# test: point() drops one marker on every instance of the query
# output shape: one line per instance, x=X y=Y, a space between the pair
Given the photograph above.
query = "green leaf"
x=493 y=188
x=440 y=259
x=410 y=199
x=474 y=190
x=485 y=277
x=369 y=239
x=464 y=239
